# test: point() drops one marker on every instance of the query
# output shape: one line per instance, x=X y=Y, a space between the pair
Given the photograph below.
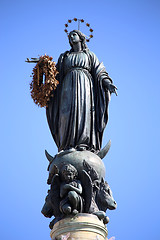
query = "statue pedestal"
x=81 y=226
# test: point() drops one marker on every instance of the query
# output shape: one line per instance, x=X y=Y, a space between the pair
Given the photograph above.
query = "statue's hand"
x=112 y=88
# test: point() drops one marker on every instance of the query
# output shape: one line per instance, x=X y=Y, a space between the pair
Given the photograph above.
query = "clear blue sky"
x=127 y=40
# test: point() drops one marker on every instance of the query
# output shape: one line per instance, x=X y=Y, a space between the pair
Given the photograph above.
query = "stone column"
x=82 y=226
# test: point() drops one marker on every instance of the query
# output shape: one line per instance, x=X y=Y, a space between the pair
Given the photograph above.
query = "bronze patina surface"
x=77 y=114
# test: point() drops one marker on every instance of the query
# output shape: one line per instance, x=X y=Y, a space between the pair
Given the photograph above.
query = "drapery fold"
x=78 y=112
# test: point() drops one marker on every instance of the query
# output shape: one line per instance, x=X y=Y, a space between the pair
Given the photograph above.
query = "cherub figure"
x=70 y=191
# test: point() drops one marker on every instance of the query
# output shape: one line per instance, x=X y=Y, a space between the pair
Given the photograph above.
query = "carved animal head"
x=47 y=209
x=104 y=197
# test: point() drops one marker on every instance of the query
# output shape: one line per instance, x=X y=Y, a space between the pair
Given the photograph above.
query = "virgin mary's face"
x=74 y=38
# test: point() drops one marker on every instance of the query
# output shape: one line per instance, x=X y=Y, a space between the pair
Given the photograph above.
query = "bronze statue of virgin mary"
x=78 y=112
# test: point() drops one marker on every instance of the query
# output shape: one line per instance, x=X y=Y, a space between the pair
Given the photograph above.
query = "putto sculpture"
x=76 y=93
